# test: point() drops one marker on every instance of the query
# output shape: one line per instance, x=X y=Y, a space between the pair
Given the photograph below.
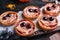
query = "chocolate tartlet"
x=31 y=12
x=47 y=22
x=8 y=18
x=25 y=28
x=52 y=9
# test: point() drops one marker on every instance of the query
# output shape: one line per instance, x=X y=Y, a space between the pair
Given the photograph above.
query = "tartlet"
x=8 y=18
x=52 y=9
x=25 y=28
x=31 y=12
x=47 y=22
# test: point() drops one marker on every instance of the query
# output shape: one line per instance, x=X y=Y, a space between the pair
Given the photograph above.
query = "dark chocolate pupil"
x=4 y=18
x=51 y=18
x=48 y=8
x=35 y=10
x=53 y=6
x=22 y=24
x=44 y=18
x=8 y=15
x=28 y=26
x=30 y=10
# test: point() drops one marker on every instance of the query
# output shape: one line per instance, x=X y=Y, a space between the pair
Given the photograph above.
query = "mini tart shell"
x=24 y=35
x=50 y=12
x=28 y=17
x=9 y=23
x=44 y=27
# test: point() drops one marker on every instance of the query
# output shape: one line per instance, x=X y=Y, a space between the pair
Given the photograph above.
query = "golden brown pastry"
x=8 y=18
x=52 y=9
x=47 y=22
x=25 y=28
x=31 y=12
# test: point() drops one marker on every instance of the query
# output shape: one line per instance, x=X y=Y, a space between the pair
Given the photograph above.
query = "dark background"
x=19 y=5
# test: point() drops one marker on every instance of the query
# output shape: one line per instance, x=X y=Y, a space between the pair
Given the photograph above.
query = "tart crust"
x=9 y=20
x=47 y=25
x=54 y=11
x=23 y=31
x=31 y=15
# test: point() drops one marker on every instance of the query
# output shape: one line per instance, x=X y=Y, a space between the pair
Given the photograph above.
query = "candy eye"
x=35 y=10
x=51 y=18
x=30 y=10
x=4 y=18
x=8 y=15
x=53 y=6
x=28 y=26
x=22 y=24
x=48 y=8
x=45 y=18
